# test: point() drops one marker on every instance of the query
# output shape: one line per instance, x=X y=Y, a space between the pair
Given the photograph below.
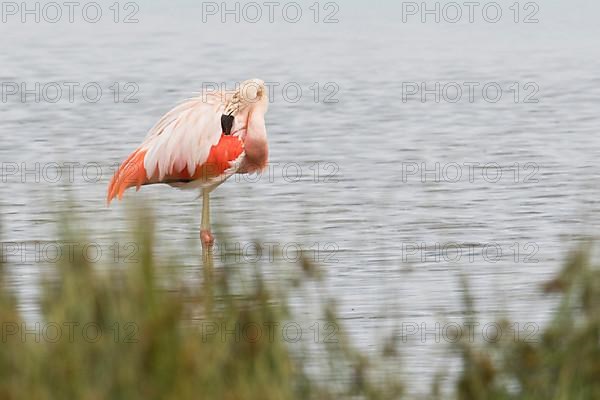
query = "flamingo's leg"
x=206 y=236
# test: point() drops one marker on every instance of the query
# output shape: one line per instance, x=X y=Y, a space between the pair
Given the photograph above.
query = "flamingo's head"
x=254 y=91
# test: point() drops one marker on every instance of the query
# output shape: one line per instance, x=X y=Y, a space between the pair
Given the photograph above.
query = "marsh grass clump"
x=141 y=332
x=563 y=362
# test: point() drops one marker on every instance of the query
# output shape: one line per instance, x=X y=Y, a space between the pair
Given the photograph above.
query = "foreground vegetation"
x=564 y=360
x=124 y=333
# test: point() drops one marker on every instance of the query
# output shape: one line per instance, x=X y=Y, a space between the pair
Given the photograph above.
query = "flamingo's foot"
x=207 y=238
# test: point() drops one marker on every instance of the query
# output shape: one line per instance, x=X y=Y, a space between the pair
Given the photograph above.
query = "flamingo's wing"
x=186 y=145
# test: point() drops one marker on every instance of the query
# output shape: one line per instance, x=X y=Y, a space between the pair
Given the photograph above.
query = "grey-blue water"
x=401 y=194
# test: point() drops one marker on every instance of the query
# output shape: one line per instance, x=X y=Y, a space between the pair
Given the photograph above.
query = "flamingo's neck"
x=255 y=143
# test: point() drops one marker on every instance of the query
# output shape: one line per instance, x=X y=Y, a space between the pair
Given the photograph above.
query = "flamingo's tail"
x=130 y=173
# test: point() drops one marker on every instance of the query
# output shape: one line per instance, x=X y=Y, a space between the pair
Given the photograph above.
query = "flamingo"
x=199 y=144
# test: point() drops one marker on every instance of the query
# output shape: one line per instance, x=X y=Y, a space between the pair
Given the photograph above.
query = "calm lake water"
x=401 y=196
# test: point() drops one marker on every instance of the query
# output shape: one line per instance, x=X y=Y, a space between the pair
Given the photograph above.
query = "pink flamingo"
x=199 y=144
